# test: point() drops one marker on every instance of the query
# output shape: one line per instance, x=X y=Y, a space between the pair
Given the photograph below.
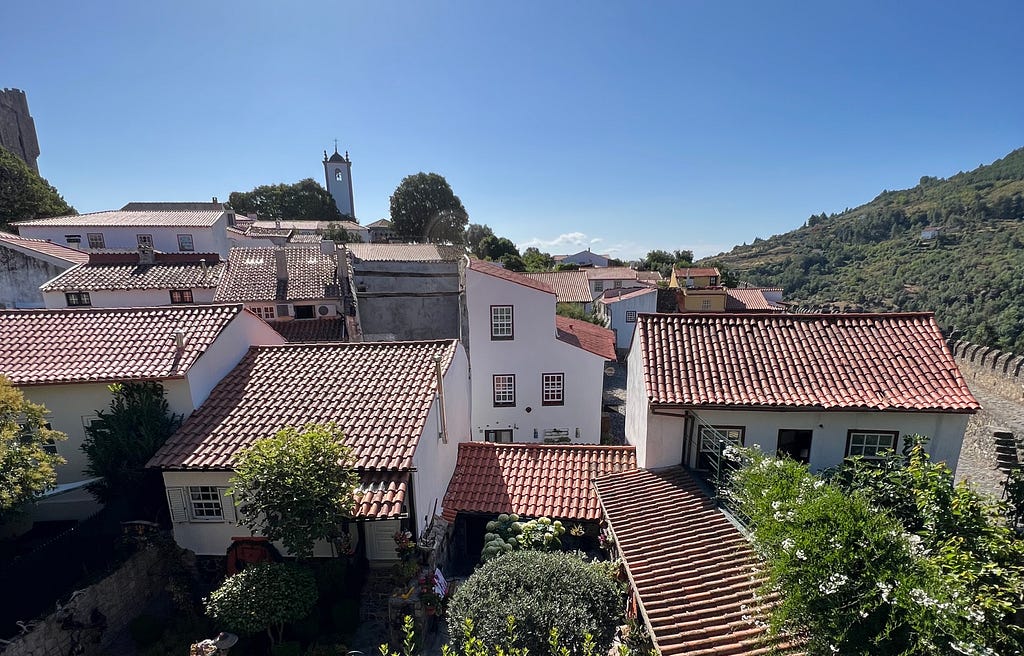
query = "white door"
x=380 y=539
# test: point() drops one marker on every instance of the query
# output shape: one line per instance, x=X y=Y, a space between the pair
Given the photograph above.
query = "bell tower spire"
x=338 y=172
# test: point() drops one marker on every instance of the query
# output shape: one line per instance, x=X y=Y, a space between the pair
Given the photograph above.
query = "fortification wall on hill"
x=996 y=370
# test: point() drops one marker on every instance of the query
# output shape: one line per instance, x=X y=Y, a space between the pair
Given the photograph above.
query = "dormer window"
x=501 y=322
x=712 y=281
x=77 y=299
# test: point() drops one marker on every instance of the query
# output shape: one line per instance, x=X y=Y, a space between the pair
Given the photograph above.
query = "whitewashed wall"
x=129 y=297
x=616 y=315
x=205 y=239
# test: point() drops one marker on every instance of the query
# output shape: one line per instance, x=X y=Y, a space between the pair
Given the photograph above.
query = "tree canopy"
x=425 y=207
x=24 y=195
x=263 y=597
x=296 y=486
x=306 y=199
x=475 y=234
x=27 y=468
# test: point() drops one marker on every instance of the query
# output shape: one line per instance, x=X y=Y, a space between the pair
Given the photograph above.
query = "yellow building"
x=691 y=277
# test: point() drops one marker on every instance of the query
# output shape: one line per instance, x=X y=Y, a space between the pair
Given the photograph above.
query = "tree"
x=306 y=199
x=24 y=195
x=425 y=207
x=27 y=468
x=512 y=262
x=543 y=591
x=122 y=439
x=495 y=248
x=476 y=233
x=336 y=233
x=535 y=260
x=263 y=597
x=296 y=486
x=575 y=311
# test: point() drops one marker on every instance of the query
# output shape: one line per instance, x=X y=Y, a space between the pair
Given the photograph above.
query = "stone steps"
x=1007 y=457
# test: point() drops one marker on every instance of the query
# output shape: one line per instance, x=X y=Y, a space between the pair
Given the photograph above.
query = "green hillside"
x=873 y=258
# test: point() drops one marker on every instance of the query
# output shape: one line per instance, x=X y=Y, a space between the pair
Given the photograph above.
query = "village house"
x=381 y=231
x=25 y=264
x=619 y=309
x=402 y=406
x=583 y=258
x=570 y=286
x=165 y=227
x=66 y=359
x=695 y=277
x=136 y=279
x=537 y=377
x=815 y=388
x=604 y=278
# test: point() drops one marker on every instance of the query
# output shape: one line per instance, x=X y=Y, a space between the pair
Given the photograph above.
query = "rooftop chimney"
x=214 y=199
x=202 y=263
x=179 y=339
x=146 y=255
x=326 y=247
x=281 y=259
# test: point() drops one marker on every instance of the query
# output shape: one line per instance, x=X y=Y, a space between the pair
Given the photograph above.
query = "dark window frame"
x=544 y=392
x=866 y=431
x=511 y=324
x=184 y=297
x=630 y=313
x=77 y=299
x=493 y=435
x=191 y=242
x=95 y=240
x=144 y=239
x=720 y=429
x=494 y=391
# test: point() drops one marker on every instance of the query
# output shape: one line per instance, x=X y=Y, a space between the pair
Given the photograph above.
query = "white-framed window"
x=180 y=296
x=630 y=316
x=870 y=444
x=77 y=299
x=145 y=240
x=500 y=436
x=265 y=312
x=96 y=240
x=205 y=503
x=598 y=285
x=712 y=281
x=553 y=389
x=708 y=441
x=501 y=322
x=705 y=304
x=504 y=390
x=49 y=445
x=185 y=243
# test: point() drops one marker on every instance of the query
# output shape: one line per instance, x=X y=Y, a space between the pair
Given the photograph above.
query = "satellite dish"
x=609 y=371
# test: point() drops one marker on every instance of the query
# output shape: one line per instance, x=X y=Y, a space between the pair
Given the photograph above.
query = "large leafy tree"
x=425 y=207
x=536 y=260
x=24 y=195
x=122 y=439
x=27 y=468
x=475 y=234
x=306 y=199
x=296 y=486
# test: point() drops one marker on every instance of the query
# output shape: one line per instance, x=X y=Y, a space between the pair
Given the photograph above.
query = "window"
x=77 y=299
x=501 y=322
x=598 y=285
x=708 y=438
x=49 y=445
x=705 y=304
x=305 y=312
x=73 y=240
x=145 y=240
x=205 y=503
x=870 y=444
x=503 y=436
x=553 y=389
x=181 y=296
x=339 y=175
x=96 y=240
x=185 y=243
x=265 y=312
x=630 y=316
x=618 y=284
x=712 y=281
x=504 y=386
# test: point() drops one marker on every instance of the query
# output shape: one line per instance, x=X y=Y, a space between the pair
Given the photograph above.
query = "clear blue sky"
x=627 y=126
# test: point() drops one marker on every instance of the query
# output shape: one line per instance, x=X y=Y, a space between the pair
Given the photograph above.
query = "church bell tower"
x=338 y=170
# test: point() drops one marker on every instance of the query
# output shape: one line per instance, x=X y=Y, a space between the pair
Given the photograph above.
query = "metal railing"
x=717 y=459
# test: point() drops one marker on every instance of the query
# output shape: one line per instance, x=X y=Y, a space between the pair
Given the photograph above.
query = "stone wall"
x=96 y=615
x=996 y=370
x=17 y=129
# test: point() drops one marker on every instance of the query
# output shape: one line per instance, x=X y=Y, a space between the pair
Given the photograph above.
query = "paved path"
x=978 y=456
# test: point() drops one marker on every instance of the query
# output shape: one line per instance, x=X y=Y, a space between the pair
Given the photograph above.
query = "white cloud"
x=573 y=242
x=567 y=243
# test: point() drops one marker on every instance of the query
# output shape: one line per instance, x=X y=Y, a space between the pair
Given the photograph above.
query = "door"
x=380 y=539
x=795 y=444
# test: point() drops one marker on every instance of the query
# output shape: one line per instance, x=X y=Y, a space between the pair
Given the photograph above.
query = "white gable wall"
x=616 y=315
x=205 y=239
x=129 y=297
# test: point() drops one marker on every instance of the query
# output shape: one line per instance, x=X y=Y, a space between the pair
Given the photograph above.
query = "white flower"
x=800 y=555
x=833 y=583
x=818 y=483
x=776 y=505
x=788 y=544
x=886 y=589
x=921 y=597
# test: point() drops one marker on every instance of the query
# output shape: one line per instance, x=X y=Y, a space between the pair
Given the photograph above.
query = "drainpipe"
x=442 y=417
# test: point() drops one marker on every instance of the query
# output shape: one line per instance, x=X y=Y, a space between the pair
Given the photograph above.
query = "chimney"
x=146 y=255
x=326 y=247
x=179 y=339
x=281 y=259
x=202 y=263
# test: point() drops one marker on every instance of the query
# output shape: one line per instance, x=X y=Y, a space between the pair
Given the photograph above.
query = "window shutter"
x=227 y=505
x=176 y=502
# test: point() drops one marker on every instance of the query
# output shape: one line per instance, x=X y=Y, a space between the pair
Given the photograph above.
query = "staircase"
x=1006 y=451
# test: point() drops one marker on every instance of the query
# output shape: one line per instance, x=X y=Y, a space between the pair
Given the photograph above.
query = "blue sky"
x=623 y=126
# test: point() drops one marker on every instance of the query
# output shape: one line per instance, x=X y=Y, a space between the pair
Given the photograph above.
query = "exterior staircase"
x=1006 y=451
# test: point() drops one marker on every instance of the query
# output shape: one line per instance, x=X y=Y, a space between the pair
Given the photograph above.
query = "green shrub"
x=542 y=591
x=263 y=597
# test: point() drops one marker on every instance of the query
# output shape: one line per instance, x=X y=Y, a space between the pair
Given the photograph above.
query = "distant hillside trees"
x=424 y=207
x=24 y=195
x=306 y=199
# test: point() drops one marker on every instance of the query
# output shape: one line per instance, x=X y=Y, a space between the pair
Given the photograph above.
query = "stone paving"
x=978 y=457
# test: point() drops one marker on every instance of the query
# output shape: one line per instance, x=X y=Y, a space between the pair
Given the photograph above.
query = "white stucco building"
x=66 y=359
x=537 y=377
x=402 y=406
x=620 y=308
x=25 y=264
x=816 y=388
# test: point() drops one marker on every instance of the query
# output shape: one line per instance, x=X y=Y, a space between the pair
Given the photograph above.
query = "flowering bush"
x=404 y=545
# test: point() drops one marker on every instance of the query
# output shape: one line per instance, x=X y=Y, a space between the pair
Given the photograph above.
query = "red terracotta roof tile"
x=693 y=571
x=39 y=347
x=749 y=299
x=251 y=275
x=45 y=248
x=532 y=480
x=695 y=272
x=569 y=286
x=135 y=276
x=585 y=335
x=153 y=218
x=611 y=273
x=406 y=252
x=831 y=361
x=498 y=271
x=379 y=394
x=616 y=295
x=304 y=331
x=380 y=495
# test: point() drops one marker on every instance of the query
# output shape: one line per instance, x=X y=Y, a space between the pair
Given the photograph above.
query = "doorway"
x=795 y=444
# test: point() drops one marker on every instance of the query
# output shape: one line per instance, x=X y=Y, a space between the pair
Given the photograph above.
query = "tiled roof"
x=44 y=248
x=379 y=394
x=749 y=299
x=251 y=275
x=305 y=331
x=498 y=271
x=533 y=480
x=649 y=276
x=172 y=207
x=406 y=252
x=380 y=223
x=569 y=286
x=302 y=224
x=833 y=361
x=152 y=218
x=616 y=295
x=610 y=273
x=93 y=277
x=268 y=231
x=88 y=345
x=305 y=239
x=697 y=272
x=380 y=495
x=585 y=335
x=692 y=570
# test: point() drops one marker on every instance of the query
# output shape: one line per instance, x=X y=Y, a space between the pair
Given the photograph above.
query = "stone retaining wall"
x=996 y=370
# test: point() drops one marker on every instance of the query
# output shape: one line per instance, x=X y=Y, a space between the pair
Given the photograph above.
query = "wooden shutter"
x=227 y=505
x=176 y=503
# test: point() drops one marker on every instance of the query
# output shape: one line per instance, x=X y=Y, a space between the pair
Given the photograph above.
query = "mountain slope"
x=873 y=256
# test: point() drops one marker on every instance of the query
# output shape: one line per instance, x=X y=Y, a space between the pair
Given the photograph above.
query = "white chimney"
x=281 y=260
x=326 y=247
x=146 y=255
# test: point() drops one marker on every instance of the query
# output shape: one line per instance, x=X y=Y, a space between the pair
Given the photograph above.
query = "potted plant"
x=428 y=595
